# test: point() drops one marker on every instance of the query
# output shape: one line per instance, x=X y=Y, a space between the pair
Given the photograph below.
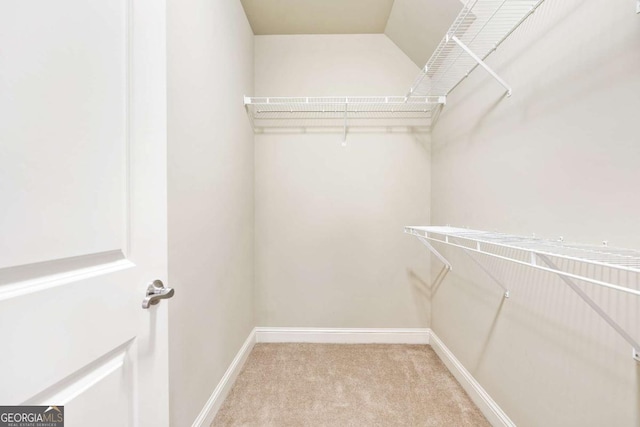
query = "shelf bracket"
x=435 y=252
x=506 y=294
x=423 y=74
x=637 y=6
x=628 y=338
x=344 y=135
x=445 y=269
x=481 y=63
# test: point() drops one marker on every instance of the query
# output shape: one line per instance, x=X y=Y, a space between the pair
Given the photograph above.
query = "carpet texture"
x=346 y=385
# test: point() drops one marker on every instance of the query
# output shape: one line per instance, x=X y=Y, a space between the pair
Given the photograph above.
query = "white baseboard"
x=208 y=413
x=494 y=414
x=342 y=335
x=489 y=408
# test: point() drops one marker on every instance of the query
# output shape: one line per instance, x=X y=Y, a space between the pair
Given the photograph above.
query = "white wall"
x=210 y=68
x=330 y=251
x=559 y=158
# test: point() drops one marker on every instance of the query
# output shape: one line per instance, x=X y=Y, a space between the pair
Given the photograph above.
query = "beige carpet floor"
x=346 y=385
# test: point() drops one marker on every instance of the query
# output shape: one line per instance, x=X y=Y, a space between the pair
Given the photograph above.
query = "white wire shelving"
x=542 y=254
x=477 y=31
x=340 y=112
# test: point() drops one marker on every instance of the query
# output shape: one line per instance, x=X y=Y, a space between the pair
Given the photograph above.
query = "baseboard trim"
x=342 y=335
x=489 y=408
x=494 y=414
x=208 y=413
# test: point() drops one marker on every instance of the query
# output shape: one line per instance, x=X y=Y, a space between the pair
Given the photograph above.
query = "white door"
x=83 y=209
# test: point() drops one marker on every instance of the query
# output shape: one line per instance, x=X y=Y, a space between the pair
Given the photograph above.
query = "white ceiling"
x=415 y=26
x=317 y=16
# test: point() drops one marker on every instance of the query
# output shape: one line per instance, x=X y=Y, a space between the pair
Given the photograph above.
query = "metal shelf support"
x=477 y=31
x=344 y=136
x=635 y=347
x=481 y=63
x=436 y=253
x=538 y=253
x=506 y=291
x=445 y=269
x=425 y=232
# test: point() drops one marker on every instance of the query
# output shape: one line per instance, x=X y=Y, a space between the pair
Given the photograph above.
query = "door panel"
x=54 y=334
x=83 y=215
x=63 y=109
x=105 y=387
x=108 y=394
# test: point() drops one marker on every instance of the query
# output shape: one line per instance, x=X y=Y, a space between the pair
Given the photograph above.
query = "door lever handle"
x=155 y=292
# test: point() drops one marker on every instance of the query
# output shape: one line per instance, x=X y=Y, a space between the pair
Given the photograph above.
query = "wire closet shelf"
x=337 y=111
x=548 y=255
x=478 y=30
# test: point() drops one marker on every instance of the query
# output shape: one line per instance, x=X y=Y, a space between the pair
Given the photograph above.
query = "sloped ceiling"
x=415 y=26
x=317 y=16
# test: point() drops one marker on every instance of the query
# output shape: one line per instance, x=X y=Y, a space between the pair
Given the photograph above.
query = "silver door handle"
x=155 y=292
